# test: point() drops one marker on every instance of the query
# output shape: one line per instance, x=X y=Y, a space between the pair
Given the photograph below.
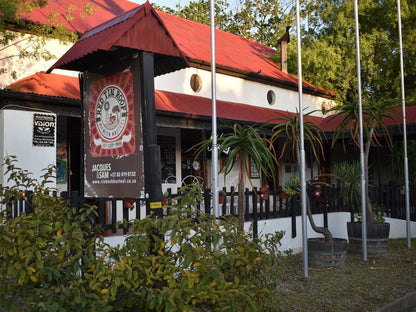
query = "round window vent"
x=196 y=83
x=271 y=97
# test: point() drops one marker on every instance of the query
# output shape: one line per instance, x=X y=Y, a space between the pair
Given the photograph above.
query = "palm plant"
x=349 y=174
x=287 y=127
x=375 y=115
x=246 y=144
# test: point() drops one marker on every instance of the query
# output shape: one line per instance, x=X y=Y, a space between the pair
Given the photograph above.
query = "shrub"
x=50 y=260
x=43 y=254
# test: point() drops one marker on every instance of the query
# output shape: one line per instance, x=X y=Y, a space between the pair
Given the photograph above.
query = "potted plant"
x=165 y=198
x=377 y=229
x=292 y=187
x=375 y=130
x=324 y=251
x=244 y=144
x=376 y=113
x=221 y=196
x=264 y=192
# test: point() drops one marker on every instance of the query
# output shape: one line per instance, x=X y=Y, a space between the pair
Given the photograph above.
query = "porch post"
x=152 y=171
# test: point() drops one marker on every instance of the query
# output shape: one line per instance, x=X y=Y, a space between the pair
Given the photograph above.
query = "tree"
x=263 y=21
x=329 y=47
x=17 y=30
x=246 y=144
x=375 y=132
x=287 y=128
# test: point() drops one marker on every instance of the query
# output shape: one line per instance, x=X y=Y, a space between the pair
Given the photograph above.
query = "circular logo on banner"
x=111 y=113
x=112 y=120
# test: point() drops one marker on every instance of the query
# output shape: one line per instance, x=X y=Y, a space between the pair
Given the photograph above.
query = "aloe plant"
x=375 y=114
x=349 y=174
x=287 y=129
x=245 y=143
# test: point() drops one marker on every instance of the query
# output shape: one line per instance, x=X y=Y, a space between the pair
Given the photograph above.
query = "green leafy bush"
x=51 y=260
x=43 y=255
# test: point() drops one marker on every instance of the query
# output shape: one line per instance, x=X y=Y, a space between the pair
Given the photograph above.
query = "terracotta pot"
x=165 y=201
x=264 y=196
x=221 y=199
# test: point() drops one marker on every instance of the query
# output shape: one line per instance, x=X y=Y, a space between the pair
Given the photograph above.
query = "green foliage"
x=51 y=260
x=177 y=263
x=349 y=174
x=398 y=151
x=15 y=29
x=377 y=215
x=244 y=144
x=329 y=48
x=262 y=21
x=43 y=255
x=375 y=114
x=292 y=186
x=287 y=127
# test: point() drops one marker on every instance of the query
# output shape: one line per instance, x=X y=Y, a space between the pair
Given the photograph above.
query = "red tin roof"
x=231 y=51
x=79 y=20
x=139 y=28
x=64 y=86
x=146 y=29
x=49 y=85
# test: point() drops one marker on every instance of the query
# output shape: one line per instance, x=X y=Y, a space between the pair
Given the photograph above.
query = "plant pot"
x=377 y=237
x=283 y=195
x=327 y=253
x=165 y=201
x=264 y=196
x=221 y=199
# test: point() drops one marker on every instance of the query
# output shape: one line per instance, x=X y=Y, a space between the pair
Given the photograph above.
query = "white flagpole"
x=214 y=186
x=406 y=167
x=363 y=182
x=302 y=148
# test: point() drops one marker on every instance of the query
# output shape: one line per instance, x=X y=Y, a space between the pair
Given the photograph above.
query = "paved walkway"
x=404 y=304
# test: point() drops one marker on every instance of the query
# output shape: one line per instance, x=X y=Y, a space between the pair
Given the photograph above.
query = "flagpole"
x=302 y=148
x=363 y=181
x=406 y=167
x=214 y=186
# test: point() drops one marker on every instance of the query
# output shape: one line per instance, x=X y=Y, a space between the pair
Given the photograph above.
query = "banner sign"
x=113 y=139
x=43 y=130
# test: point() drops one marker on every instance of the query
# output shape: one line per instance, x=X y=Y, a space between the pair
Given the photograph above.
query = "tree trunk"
x=322 y=230
x=368 y=208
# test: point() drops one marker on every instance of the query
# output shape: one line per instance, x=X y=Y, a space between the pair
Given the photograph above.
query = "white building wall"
x=337 y=222
x=16 y=128
x=238 y=90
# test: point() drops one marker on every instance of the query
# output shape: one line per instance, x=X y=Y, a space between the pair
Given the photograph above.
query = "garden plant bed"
x=358 y=286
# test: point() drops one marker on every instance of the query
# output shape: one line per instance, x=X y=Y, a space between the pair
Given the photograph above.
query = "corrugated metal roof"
x=139 y=29
x=146 y=29
x=48 y=85
x=64 y=86
x=72 y=14
x=59 y=85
